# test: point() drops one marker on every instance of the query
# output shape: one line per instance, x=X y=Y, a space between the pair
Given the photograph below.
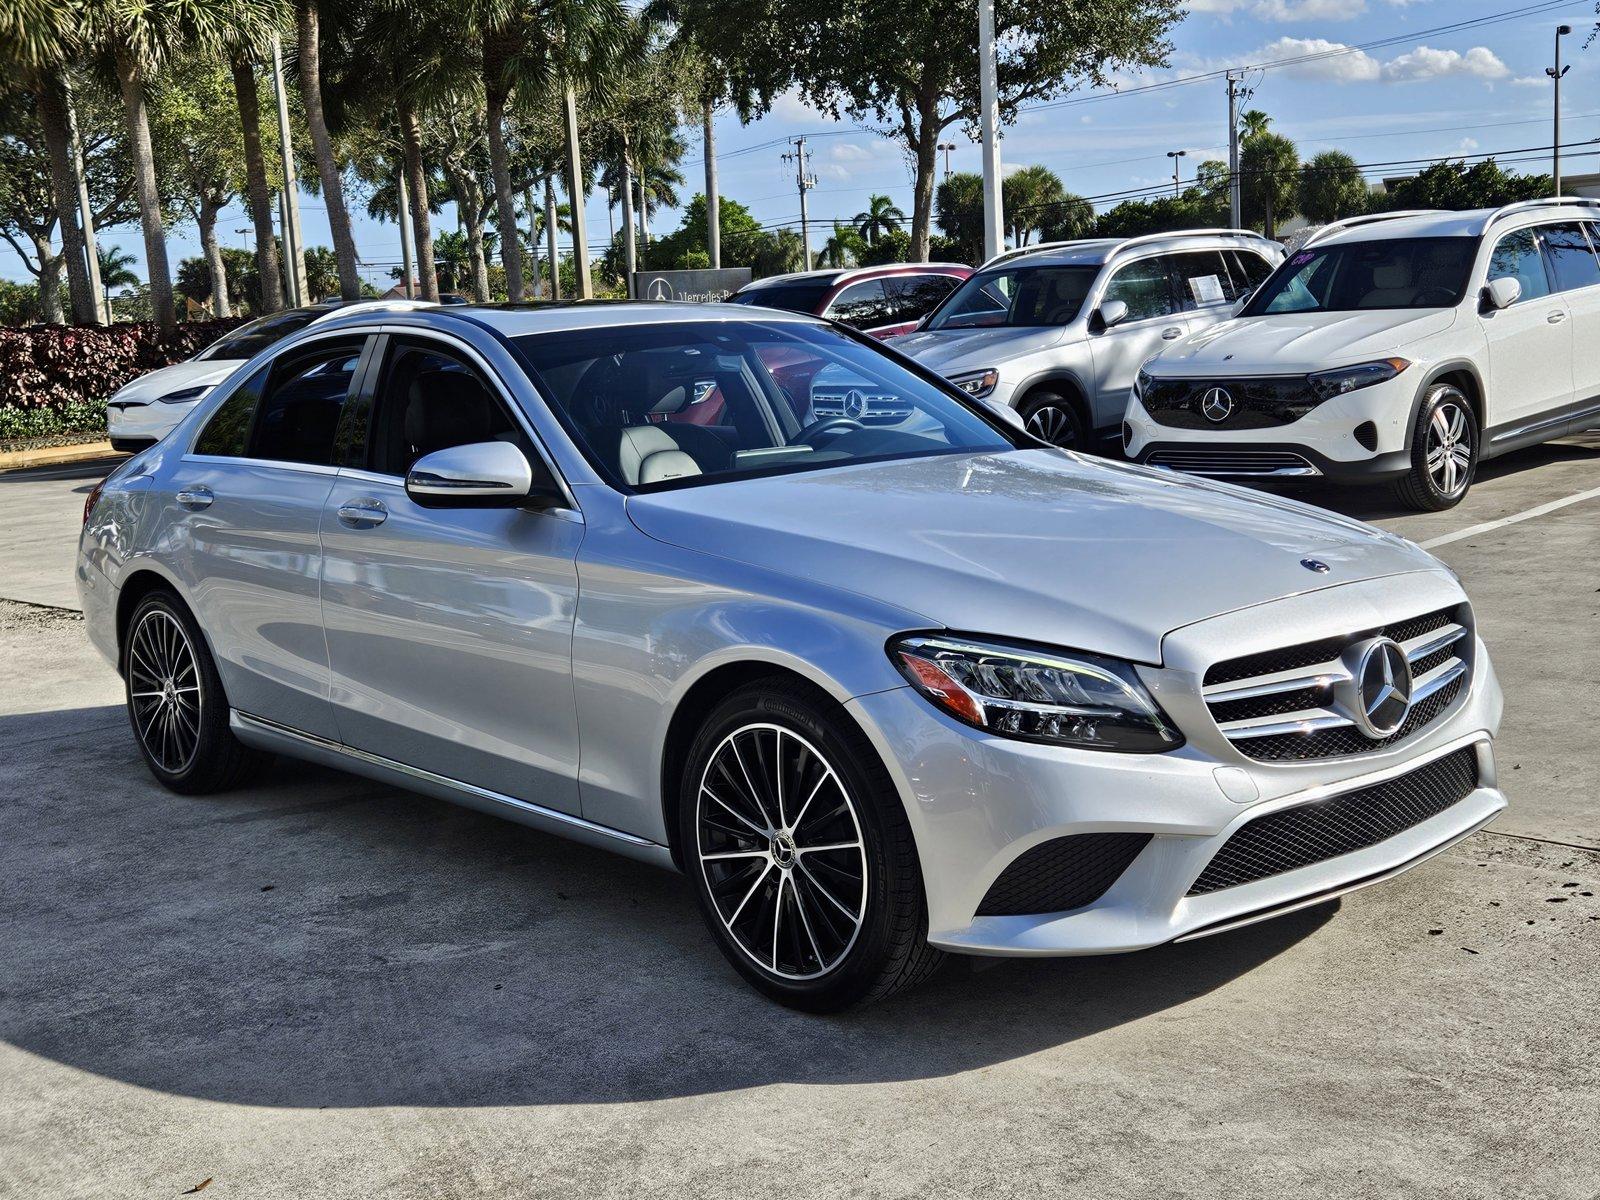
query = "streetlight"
x=246 y=234
x=1175 y=155
x=1555 y=73
x=946 y=147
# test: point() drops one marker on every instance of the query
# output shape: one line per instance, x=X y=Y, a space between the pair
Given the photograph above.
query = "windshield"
x=791 y=297
x=1387 y=273
x=249 y=340
x=1032 y=296
x=672 y=405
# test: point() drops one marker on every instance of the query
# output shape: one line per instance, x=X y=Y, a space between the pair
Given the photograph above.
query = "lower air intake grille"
x=1232 y=462
x=1313 y=833
x=1062 y=874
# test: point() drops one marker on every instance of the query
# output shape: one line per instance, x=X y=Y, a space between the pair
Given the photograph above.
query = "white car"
x=1408 y=346
x=1058 y=331
x=146 y=409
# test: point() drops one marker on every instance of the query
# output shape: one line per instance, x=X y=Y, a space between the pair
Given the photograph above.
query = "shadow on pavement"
x=319 y=940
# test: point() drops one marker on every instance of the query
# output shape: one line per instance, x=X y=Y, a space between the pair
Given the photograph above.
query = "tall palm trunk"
x=469 y=211
x=131 y=81
x=49 y=280
x=308 y=21
x=206 y=219
x=51 y=106
x=495 y=95
x=552 y=218
x=630 y=249
x=257 y=190
x=713 y=201
x=417 y=185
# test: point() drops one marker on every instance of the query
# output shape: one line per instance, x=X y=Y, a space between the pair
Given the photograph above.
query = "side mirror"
x=1502 y=292
x=480 y=475
x=1244 y=298
x=1007 y=414
x=1112 y=313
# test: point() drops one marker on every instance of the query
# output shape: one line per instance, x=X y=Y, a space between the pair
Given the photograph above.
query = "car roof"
x=554 y=316
x=1096 y=252
x=834 y=276
x=1473 y=222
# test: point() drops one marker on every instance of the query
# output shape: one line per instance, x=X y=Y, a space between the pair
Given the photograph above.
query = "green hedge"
x=56 y=379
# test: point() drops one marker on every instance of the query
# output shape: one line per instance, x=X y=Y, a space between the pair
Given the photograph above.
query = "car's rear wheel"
x=1052 y=417
x=1444 y=451
x=175 y=701
x=801 y=856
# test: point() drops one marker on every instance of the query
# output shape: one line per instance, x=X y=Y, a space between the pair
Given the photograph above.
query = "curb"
x=52 y=456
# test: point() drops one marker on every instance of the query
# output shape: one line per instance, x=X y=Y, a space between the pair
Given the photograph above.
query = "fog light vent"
x=1367 y=435
x=1127 y=435
x=1062 y=874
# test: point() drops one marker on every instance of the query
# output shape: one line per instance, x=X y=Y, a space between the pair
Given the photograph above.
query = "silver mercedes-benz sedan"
x=887 y=678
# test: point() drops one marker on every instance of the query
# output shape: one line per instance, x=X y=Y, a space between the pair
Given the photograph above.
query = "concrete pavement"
x=320 y=986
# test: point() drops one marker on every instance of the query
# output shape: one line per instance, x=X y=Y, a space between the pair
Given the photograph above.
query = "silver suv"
x=1059 y=331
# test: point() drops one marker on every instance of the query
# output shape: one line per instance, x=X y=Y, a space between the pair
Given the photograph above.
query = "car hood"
x=953 y=350
x=1290 y=342
x=155 y=384
x=1034 y=544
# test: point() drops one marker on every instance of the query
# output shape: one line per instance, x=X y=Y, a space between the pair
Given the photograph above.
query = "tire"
x=176 y=704
x=1052 y=417
x=850 y=923
x=1444 y=452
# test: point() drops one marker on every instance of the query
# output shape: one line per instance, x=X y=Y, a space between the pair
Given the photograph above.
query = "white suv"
x=1059 y=331
x=1408 y=346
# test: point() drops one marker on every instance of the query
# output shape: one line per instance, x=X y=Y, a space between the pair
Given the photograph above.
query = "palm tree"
x=243 y=48
x=881 y=216
x=140 y=39
x=116 y=267
x=843 y=249
x=308 y=57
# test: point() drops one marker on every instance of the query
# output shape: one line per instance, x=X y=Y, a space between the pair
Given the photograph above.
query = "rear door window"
x=863 y=305
x=1572 y=258
x=913 y=297
x=1204 y=280
x=299 y=410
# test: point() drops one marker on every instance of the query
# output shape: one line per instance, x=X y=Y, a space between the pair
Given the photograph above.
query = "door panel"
x=1530 y=344
x=1154 y=322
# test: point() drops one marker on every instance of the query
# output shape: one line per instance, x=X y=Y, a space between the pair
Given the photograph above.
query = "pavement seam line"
x=1523 y=837
x=1526 y=515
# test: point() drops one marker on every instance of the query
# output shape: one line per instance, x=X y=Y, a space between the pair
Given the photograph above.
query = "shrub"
x=57 y=379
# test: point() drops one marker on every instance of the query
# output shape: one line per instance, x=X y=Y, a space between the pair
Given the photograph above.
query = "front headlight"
x=1064 y=698
x=1328 y=384
x=185 y=395
x=1141 y=382
x=977 y=383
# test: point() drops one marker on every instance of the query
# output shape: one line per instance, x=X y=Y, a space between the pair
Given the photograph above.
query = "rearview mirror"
x=479 y=475
x=1502 y=292
x=1112 y=312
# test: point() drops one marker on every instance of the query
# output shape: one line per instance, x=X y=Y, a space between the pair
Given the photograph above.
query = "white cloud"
x=1283 y=10
x=1537 y=81
x=1427 y=63
x=849 y=152
x=788 y=106
x=1337 y=62
x=1466 y=145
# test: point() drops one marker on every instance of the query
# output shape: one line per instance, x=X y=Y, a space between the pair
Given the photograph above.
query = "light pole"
x=1555 y=73
x=1175 y=155
x=246 y=232
x=994 y=218
x=946 y=147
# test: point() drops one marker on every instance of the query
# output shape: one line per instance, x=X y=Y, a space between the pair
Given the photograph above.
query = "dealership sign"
x=706 y=287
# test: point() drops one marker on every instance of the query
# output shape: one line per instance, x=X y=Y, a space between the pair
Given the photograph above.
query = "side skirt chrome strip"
x=267 y=734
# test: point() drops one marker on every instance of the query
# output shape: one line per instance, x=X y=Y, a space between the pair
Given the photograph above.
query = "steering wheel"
x=828 y=426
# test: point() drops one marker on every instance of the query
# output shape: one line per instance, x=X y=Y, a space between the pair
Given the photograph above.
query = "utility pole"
x=994 y=220
x=1235 y=78
x=405 y=235
x=289 y=203
x=713 y=197
x=946 y=147
x=1555 y=73
x=575 y=193
x=805 y=183
x=1175 y=155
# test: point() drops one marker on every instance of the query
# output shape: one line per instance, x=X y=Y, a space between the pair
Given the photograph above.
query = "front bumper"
x=976 y=803
x=1327 y=441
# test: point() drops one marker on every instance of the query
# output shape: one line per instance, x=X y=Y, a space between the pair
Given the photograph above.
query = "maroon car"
x=883 y=301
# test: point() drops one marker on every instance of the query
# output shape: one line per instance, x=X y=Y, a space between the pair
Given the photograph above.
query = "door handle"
x=1169 y=334
x=363 y=514
x=1556 y=317
x=198 y=496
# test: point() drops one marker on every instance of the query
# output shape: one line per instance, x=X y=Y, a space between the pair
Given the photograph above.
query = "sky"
x=1452 y=78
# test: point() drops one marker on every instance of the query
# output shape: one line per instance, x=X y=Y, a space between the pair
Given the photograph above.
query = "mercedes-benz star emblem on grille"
x=855 y=404
x=1315 y=564
x=1216 y=404
x=1383 y=687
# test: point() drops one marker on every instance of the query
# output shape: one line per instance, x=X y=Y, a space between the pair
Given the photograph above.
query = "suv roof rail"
x=1507 y=210
x=1367 y=219
x=1121 y=244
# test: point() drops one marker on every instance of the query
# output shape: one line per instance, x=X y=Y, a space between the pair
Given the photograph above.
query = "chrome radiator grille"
x=1297 y=702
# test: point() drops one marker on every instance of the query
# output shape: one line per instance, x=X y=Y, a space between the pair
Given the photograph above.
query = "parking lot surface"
x=324 y=987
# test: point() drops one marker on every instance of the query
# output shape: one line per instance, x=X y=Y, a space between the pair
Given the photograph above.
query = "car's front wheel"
x=175 y=701
x=800 y=852
x=1053 y=418
x=1444 y=451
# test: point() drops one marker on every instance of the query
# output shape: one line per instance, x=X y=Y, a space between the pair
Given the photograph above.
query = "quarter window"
x=1516 y=256
x=1572 y=258
x=299 y=411
x=1145 y=287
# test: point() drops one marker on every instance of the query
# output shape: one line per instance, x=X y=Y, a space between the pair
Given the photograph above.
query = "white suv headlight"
x=185 y=395
x=977 y=383
x=1064 y=698
x=1328 y=384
